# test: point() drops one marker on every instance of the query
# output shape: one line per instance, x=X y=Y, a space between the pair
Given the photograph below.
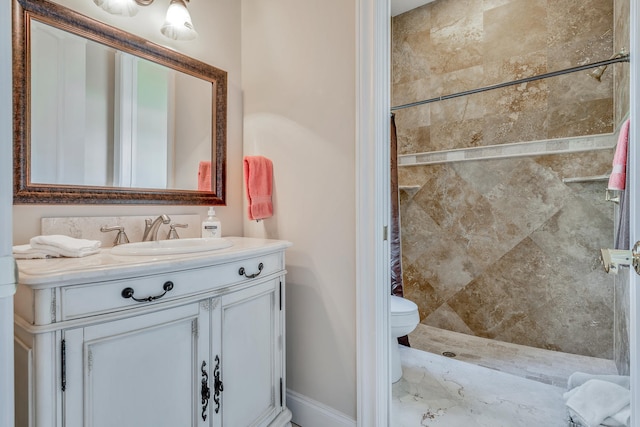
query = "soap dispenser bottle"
x=211 y=226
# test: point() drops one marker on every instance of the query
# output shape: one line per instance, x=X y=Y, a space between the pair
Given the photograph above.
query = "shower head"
x=599 y=71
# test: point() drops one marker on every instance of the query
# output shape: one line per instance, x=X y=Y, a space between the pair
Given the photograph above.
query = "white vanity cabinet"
x=207 y=352
x=135 y=372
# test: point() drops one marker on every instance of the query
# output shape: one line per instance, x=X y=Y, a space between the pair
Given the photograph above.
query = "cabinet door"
x=145 y=370
x=251 y=355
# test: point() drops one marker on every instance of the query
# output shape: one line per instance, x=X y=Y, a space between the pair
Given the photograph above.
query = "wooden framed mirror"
x=105 y=117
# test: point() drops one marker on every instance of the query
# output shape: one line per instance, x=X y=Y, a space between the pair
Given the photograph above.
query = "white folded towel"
x=27 y=252
x=621 y=419
x=65 y=245
x=578 y=378
x=595 y=400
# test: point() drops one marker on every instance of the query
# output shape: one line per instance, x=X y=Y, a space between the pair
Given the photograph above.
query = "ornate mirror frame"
x=71 y=21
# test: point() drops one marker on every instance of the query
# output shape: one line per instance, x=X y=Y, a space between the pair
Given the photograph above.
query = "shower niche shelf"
x=411 y=190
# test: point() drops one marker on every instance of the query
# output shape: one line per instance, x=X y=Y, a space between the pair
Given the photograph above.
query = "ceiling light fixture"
x=177 y=24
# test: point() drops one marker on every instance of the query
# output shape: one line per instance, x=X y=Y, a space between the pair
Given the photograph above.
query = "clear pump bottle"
x=211 y=226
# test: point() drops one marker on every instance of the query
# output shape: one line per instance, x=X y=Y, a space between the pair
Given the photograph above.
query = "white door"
x=250 y=367
x=141 y=371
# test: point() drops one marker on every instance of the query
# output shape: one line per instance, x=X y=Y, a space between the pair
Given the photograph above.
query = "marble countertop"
x=43 y=273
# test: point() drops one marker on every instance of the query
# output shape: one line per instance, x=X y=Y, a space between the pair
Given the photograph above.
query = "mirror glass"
x=110 y=117
x=103 y=117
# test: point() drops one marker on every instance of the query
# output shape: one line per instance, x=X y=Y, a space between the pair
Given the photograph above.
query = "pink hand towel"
x=258 y=179
x=617 y=180
x=204 y=176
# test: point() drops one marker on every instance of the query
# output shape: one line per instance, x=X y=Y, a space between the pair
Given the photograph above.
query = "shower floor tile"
x=439 y=391
x=545 y=366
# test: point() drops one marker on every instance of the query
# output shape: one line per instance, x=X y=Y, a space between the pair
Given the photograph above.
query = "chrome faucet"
x=151 y=227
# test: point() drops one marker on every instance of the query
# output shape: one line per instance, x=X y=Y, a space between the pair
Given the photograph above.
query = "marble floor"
x=439 y=391
x=486 y=383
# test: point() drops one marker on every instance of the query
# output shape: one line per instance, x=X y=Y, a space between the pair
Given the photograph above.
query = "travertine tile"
x=574 y=165
x=530 y=195
x=447 y=319
x=411 y=22
x=570 y=20
x=472 y=218
x=508 y=292
x=414 y=57
x=457 y=134
x=456 y=35
x=516 y=126
x=428 y=254
x=574 y=236
x=546 y=366
x=504 y=29
x=581 y=118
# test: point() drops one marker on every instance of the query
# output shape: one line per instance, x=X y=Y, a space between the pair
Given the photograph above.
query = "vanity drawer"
x=91 y=299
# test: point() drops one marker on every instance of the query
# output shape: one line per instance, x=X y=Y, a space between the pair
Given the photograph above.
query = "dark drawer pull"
x=128 y=293
x=251 y=276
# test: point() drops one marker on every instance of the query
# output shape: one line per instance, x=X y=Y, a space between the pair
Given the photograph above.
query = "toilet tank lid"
x=401 y=305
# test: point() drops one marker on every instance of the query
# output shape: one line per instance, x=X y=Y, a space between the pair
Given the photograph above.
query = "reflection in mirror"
x=111 y=117
x=116 y=118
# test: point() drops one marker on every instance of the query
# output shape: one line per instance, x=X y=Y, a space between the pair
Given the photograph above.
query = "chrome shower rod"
x=623 y=58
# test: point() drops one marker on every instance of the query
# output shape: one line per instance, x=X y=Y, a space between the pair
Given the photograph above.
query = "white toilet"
x=404 y=319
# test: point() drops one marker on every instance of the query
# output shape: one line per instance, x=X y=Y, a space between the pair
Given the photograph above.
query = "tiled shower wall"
x=507 y=248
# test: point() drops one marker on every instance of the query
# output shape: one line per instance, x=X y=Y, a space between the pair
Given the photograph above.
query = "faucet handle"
x=173 y=234
x=121 y=237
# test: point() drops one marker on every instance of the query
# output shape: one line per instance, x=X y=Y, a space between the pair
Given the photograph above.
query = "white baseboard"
x=310 y=413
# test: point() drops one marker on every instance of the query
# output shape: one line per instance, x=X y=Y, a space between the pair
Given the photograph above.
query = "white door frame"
x=634 y=171
x=372 y=213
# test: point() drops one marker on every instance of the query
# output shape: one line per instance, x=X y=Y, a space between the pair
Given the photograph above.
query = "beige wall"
x=298 y=73
x=298 y=84
x=218 y=44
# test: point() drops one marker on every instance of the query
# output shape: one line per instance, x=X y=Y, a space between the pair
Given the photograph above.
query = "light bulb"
x=177 y=24
x=118 y=7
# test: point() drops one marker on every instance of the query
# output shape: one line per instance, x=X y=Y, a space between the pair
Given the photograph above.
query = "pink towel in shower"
x=618 y=176
x=258 y=179
x=204 y=176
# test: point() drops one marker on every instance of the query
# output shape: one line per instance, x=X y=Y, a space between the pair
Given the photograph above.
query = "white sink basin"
x=171 y=247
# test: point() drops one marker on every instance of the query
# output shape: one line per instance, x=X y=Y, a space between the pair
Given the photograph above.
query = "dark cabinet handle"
x=205 y=392
x=251 y=276
x=217 y=384
x=128 y=293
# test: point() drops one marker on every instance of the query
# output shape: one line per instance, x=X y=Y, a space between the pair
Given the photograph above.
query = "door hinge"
x=385 y=233
x=63 y=365
x=281 y=402
x=280 y=295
